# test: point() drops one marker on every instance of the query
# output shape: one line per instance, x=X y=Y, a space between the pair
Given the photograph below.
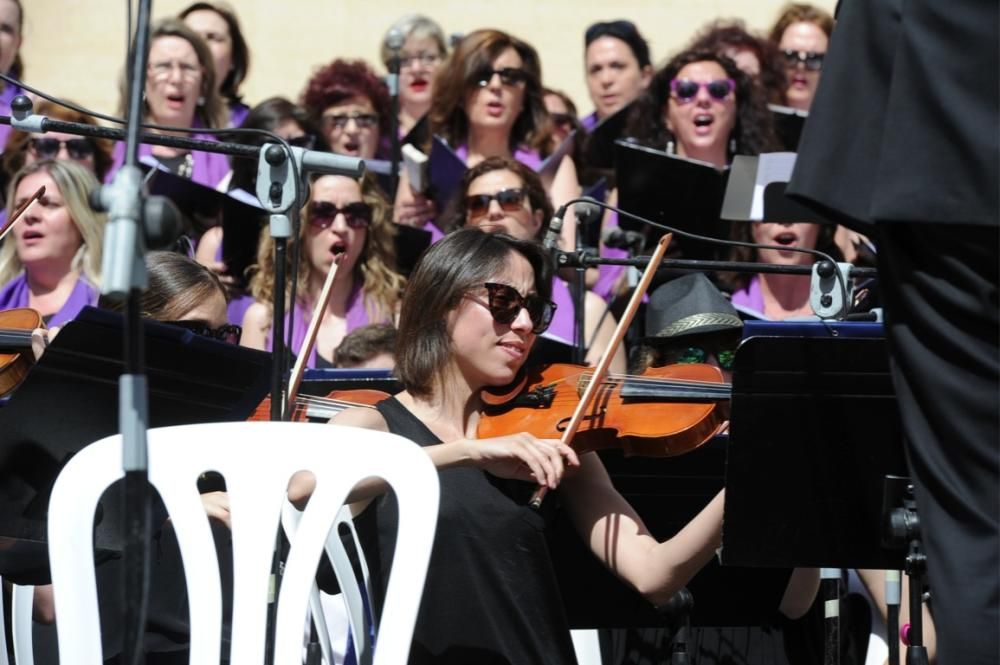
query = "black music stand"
x=70 y=400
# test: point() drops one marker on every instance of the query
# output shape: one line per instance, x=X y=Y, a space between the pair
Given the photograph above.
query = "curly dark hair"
x=754 y=129
x=724 y=34
x=339 y=81
x=458 y=75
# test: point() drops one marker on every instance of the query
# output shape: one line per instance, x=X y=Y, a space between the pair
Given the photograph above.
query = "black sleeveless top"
x=491 y=594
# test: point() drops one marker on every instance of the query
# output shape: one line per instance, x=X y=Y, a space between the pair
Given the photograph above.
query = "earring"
x=670 y=147
x=732 y=146
x=201 y=100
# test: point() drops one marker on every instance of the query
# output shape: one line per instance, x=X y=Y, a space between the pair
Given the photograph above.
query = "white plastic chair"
x=256 y=460
x=21 y=602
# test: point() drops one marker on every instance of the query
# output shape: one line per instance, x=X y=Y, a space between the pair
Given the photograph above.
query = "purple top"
x=751 y=298
x=357 y=316
x=590 y=121
x=607 y=276
x=209 y=167
x=15 y=294
x=529 y=158
x=237 y=114
x=6 y=97
x=563 y=320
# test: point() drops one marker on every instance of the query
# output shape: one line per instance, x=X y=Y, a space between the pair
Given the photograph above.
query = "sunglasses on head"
x=322 y=214
x=697 y=354
x=686 y=90
x=510 y=200
x=508 y=76
x=49 y=148
x=809 y=59
x=505 y=303
x=340 y=120
x=228 y=333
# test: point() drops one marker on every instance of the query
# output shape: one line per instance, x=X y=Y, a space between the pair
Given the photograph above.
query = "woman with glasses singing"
x=488 y=103
x=474 y=306
x=347 y=221
x=217 y=24
x=180 y=92
x=504 y=196
x=424 y=49
x=51 y=262
x=802 y=33
x=351 y=106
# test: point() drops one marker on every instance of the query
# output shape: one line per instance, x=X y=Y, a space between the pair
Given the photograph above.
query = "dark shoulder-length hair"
x=230 y=87
x=341 y=80
x=269 y=115
x=460 y=73
x=754 y=128
x=530 y=182
x=457 y=263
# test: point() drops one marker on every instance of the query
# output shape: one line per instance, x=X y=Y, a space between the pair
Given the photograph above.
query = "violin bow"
x=21 y=209
x=295 y=380
x=601 y=371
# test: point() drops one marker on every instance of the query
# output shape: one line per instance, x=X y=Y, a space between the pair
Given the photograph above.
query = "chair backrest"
x=257 y=461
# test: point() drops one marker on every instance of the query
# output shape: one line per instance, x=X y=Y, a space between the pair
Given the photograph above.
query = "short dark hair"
x=623 y=30
x=800 y=12
x=339 y=81
x=230 y=87
x=530 y=181
x=456 y=263
x=364 y=343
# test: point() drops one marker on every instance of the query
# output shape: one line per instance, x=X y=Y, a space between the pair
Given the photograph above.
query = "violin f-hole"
x=562 y=424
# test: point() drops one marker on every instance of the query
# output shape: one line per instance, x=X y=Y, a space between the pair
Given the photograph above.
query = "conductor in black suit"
x=902 y=142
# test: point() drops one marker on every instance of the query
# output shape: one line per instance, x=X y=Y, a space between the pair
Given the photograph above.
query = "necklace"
x=186 y=167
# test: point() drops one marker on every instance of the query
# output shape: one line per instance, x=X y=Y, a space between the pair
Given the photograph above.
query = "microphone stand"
x=392 y=82
x=579 y=303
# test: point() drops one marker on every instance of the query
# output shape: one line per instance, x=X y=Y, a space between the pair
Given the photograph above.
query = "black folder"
x=70 y=399
x=788 y=124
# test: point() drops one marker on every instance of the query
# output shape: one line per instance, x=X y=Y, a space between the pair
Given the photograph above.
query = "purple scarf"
x=356 y=317
x=15 y=294
x=750 y=299
x=238 y=114
x=529 y=158
x=209 y=167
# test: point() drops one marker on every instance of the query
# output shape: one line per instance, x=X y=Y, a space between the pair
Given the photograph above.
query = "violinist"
x=473 y=308
x=504 y=196
x=53 y=264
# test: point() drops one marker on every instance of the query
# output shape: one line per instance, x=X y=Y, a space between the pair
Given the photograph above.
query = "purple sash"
x=6 y=97
x=15 y=294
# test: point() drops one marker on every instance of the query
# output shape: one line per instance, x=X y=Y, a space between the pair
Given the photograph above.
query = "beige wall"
x=75 y=48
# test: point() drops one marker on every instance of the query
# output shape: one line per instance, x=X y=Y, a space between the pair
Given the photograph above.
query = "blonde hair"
x=375 y=269
x=75 y=182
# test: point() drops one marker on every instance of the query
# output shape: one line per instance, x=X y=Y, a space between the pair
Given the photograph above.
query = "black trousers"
x=939 y=284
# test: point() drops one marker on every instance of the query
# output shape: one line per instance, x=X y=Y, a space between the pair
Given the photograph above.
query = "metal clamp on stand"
x=831 y=293
x=902 y=532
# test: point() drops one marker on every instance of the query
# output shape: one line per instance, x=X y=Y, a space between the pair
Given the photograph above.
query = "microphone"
x=555 y=229
x=329 y=163
x=622 y=239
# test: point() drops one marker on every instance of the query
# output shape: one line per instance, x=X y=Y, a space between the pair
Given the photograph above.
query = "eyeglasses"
x=697 y=354
x=306 y=141
x=228 y=333
x=686 y=90
x=160 y=71
x=322 y=214
x=425 y=59
x=508 y=76
x=76 y=148
x=811 y=60
x=510 y=200
x=563 y=120
x=505 y=303
x=340 y=120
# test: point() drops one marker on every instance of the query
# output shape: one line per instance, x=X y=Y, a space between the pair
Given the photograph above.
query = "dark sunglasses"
x=809 y=59
x=505 y=303
x=357 y=215
x=510 y=200
x=228 y=333
x=686 y=90
x=306 y=141
x=76 y=148
x=508 y=76
x=564 y=120
x=697 y=354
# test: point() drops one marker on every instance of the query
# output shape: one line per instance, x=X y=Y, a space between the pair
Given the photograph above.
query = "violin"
x=663 y=412
x=308 y=407
x=16 y=357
